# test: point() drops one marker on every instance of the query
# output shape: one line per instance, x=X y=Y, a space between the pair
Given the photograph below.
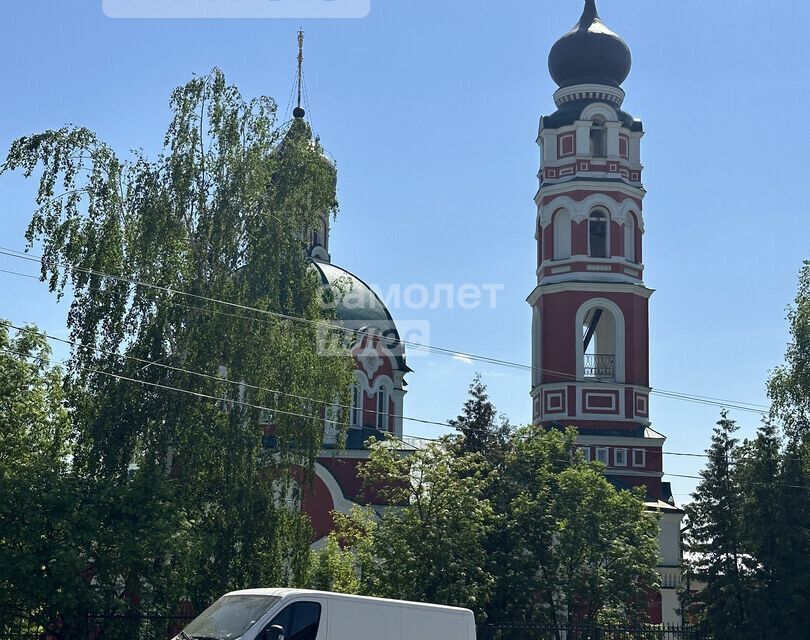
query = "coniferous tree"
x=715 y=540
x=483 y=430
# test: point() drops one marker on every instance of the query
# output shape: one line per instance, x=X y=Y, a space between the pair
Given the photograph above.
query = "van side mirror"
x=276 y=632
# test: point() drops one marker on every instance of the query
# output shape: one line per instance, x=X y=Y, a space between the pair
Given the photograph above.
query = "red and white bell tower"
x=590 y=328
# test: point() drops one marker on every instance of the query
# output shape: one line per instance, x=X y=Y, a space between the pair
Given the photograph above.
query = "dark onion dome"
x=359 y=308
x=590 y=53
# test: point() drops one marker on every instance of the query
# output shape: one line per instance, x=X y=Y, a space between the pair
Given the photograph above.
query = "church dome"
x=358 y=308
x=590 y=54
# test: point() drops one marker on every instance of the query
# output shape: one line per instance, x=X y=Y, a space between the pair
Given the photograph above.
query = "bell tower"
x=590 y=323
x=590 y=330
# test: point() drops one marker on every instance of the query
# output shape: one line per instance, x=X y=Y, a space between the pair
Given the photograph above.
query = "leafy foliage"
x=520 y=529
x=185 y=492
x=578 y=548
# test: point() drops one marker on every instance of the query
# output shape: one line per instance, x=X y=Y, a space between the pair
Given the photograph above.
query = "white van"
x=298 y=614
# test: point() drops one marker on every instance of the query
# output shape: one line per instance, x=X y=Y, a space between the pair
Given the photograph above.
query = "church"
x=590 y=319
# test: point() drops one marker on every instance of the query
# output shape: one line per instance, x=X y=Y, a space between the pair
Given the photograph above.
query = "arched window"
x=357 y=406
x=599 y=344
x=630 y=238
x=539 y=243
x=598 y=235
x=562 y=235
x=382 y=409
x=331 y=424
x=598 y=138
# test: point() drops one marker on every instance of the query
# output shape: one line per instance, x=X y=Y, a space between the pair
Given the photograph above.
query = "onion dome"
x=590 y=53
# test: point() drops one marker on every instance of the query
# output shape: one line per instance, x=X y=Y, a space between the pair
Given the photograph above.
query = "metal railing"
x=600 y=366
x=15 y=625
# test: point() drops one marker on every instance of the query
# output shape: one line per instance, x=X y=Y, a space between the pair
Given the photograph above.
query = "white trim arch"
x=628 y=207
x=561 y=231
x=580 y=210
x=629 y=228
x=598 y=109
x=619 y=337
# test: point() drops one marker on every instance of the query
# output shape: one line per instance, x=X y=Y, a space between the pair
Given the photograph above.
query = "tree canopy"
x=749 y=535
x=521 y=530
x=194 y=319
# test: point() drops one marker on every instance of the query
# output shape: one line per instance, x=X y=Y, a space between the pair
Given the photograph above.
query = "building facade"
x=590 y=308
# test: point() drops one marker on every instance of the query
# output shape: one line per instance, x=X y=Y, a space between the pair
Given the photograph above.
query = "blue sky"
x=431 y=111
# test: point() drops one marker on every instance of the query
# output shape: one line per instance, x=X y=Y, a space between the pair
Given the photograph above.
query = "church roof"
x=590 y=53
x=359 y=308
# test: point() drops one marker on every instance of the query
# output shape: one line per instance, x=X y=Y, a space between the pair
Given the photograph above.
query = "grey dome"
x=590 y=53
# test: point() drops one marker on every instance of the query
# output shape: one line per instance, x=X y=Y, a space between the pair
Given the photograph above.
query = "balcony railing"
x=600 y=366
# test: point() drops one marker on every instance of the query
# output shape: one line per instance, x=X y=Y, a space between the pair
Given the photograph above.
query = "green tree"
x=580 y=549
x=333 y=569
x=482 y=429
x=776 y=481
x=715 y=540
x=430 y=546
x=219 y=215
x=41 y=551
x=789 y=385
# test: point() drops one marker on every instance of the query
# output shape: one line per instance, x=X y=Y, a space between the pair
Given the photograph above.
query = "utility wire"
x=705 y=400
x=301 y=415
x=216 y=378
x=316 y=418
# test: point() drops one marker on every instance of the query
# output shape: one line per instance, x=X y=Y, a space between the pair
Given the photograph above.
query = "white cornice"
x=621 y=471
x=616 y=441
x=599 y=287
x=562 y=188
x=614 y=95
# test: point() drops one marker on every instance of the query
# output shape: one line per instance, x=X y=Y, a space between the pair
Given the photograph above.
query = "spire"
x=299 y=112
x=589 y=15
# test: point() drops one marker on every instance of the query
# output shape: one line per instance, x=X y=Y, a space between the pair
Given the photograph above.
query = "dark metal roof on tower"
x=590 y=53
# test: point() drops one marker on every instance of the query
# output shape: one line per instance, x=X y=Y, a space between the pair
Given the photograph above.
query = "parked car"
x=297 y=614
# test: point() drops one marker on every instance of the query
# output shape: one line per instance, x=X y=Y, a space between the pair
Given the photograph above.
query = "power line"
x=326 y=405
x=705 y=400
x=301 y=415
x=156 y=363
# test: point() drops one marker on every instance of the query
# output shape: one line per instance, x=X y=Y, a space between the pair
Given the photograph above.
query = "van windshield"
x=230 y=616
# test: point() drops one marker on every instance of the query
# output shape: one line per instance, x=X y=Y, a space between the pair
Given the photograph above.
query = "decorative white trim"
x=618 y=441
x=589 y=287
x=582 y=209
x=619 y=337
x=606 y=451
x=613 y=471
x=602 y=109
x=594 y=91
x=370 y=360
x=562 y=188
x=578 y=259
x=616 y=452
x=613 y=396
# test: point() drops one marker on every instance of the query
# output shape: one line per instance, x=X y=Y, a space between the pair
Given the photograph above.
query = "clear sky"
x=431 y=111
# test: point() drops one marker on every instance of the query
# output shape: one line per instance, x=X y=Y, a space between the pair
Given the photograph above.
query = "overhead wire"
x=705 y=400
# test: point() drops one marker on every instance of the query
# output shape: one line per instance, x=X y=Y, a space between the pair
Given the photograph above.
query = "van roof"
x=282 y=592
